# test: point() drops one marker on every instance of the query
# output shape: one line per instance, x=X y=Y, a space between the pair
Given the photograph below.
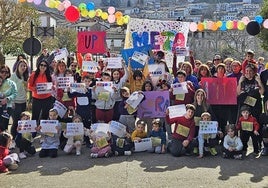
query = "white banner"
x=74 y=129
x=49 y=126
x=44 y=88
x=26 y=126
x=90 y=66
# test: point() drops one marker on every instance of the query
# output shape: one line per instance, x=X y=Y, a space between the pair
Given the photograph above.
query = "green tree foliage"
x=264 y=32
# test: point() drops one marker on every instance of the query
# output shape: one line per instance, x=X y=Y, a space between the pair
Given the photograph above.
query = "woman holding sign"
x=40 y=84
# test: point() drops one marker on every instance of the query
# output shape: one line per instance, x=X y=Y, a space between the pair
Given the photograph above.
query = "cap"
x=249 y=51
x=245 y=108
x=124 y=88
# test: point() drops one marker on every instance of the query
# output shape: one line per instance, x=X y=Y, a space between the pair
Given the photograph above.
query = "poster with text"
x=74 y=129
x=26 y=126
x=49 y=126
x=44 y=88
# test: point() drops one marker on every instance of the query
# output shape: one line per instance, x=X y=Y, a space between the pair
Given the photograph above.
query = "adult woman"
x=187 y=67
x=59 y=72
x=203 y=71
x=19 y=57
x=250 y=89
x=9 y=89
x=20 y=77
x=41 y=102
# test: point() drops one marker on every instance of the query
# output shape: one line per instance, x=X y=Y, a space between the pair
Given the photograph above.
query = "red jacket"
x=3 y=153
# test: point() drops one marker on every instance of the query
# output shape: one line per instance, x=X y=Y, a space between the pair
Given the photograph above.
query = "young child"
x=7 y=161
x=158 y=137
x=248 y=59
x=101 y=144
x=122 y=145
x=74 y=141
x=24 y=140
x=51 y=141
x=139 y=132
x=248 y=127
x=232 y=145
x=4 y=107
x=208 y=140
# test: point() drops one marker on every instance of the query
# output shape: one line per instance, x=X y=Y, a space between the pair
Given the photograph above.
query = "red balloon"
x=72 y=14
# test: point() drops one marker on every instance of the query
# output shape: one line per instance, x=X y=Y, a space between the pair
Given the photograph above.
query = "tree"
x=14 y=25
x=264 y=32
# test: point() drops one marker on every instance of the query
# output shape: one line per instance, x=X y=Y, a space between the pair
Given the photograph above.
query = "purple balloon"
x=37 y=2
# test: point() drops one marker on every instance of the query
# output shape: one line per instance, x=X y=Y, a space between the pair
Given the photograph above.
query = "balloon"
x=200 y=26
x=22 y=1
x=265 y=24
x=98 y=12
x=90 y=6
x=82 y=6
x=120 y=21
x=47 y=3
x=57 y=3
x=214 y=26
x=30 y=1
x=118 y=14
x=84 y=13
x=66 y=3
x=72 y=14
x=219 y=23
x=104 y=15
x=229 y=24
x=259 y=19
x=37 y=2
x=193 y=26
x=92 y=13
x=205 y=24
x=235 y=24
x=61 y=7
x=111 y=10
x=240 y=25
x=209 y=24
x=111 y=18
x=253 y=28
x=52 y=4
x=126 y=19
x=245 y=20
x=223 y=27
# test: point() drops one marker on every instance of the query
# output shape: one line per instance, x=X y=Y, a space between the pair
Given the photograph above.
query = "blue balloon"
x=259 y=19
x=90 y=6
x=223 y=27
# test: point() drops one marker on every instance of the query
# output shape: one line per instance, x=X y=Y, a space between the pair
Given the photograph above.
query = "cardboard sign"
x=208 y=127
x=49 y=126
x=77 y=87
x=140 y=57
x=74 y=129
x=179 y=88
x=44 y=88
x=156 y=141
x=135 y=99
x=183 y=130
x=154 y=105
x=90 y=66
x=26 y=126
x=61 y=54
x=64 y=82
x=144 y=145
x=117 y=129
x=114 y=63
x=61 y=109
x=91 y=42
x=247 y=126
x=220 y=90
x=177 y=111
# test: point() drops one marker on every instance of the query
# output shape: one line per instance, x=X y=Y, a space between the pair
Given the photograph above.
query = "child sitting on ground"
x=232 y=145
x=101 y=144
x=207 y=140
x=74 y=141
x=122 y=145
x=7 y=161
x=24 y=140
x=158 y=137
x=139 y=132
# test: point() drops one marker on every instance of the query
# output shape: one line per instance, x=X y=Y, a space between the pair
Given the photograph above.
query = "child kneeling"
x=158 y=137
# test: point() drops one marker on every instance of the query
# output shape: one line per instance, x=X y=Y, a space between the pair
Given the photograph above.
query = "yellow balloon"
x=52 y=4
x=98 y=12
x=92 y=13
x=120 y=21
x=219 y=23
x=104 y=15
x=240 y=25
x=57 y=4
x=126 y=19
x=84 y=13
x=229 y=24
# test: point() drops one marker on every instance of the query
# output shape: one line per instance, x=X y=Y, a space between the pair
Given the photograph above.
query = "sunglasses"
x=43 y=65
x=217 y=59
x=73 y=65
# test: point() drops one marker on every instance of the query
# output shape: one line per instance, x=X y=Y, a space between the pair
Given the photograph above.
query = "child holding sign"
x=51 y=138
x=24 y=140
x=249 y=127
x=158 y=137
x=139 y=133
x=74 y=140
x=101 y=144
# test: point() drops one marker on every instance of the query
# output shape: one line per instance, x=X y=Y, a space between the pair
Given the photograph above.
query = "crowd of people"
x=177 y=136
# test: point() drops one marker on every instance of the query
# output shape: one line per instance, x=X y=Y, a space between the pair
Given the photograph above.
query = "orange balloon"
x=22 y=1
x=200 y=27
x=118 y=14
x=214 y=27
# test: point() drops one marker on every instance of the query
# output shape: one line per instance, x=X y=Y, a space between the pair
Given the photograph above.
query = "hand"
x=185 y=143
x=167 y=111
x=4 y=101
x=38 y=128
x=163 y=149
x=231 y=149
x=256 y=133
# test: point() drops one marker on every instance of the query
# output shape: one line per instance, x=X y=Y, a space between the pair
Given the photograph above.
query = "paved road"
x=138 y=170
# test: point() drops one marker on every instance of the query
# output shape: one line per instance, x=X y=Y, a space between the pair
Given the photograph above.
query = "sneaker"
x=93 y=155
x=264 y=152
x=78 y=153
x=5 y=115
x=116 y=153
x=213 y=151
x=13 y=166
x=107 y=154
x=127 y=153
x=12 y=145
x=224 y=155
x=195 y=150
x=238 y=157
x=22 y=155
x=256 y=153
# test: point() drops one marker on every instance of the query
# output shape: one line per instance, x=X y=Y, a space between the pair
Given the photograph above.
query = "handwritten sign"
x=114 y=62
x=117 y=128
x=61 y=54
x=49 y=126
x=104 y=86
x=74 y=129
x=61 y=109
x=208 y=127
x=179 y=88
x=90 y=66
x=140 y=57
x=44 y=88
x=77 y=87
x=26 y=126
x=64 y=82
x=135 y=99
x=177 y=111
x=100 y=127
x=144 y=145
x=91 y=42
x=182 y=51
